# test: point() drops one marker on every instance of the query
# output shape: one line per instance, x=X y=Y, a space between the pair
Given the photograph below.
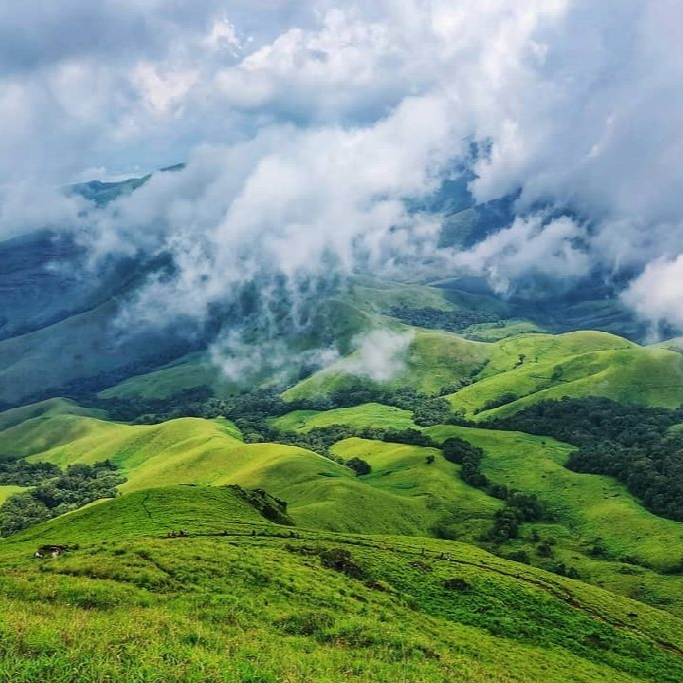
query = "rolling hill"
x=528 y=369
x=259 y=602
x=320 y=493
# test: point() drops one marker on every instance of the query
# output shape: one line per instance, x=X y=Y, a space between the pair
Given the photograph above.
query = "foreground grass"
x=272 y=607
x=640 y=553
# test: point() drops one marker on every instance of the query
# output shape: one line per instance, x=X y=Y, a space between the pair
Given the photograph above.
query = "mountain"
x=423 y=481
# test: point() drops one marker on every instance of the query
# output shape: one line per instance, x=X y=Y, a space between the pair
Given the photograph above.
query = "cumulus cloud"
x=307 y=130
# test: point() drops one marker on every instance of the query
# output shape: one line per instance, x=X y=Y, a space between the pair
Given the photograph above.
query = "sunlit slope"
x=405 y=470
x=130 y=604
x=190 y=372
x=366 y=415
x=321 y=493
x=434 y=360
x=45 y=409
x=187 y=450
x=7 y=491
x=587 y=510
x=532 y=368
x=152 y=512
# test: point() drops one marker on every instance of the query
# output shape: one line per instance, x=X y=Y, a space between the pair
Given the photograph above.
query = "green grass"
x=45 y=409
x=320 y=492
x=575 y=364
x=153 y=512
x=434 y=488
x=380 y=296
x=7 y=491
x=366 y=415
x=493 y=332
x=433 y=361
x=641 y=548
x=131 y=605
x=191 y=372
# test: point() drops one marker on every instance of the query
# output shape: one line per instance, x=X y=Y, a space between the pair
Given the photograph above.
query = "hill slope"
x=313 y=607
x=532 y=368
x=321 y=493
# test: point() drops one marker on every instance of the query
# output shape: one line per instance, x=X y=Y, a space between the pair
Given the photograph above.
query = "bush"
x=360 y=467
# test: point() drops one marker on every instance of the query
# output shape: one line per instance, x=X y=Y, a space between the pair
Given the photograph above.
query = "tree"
x=360 y=467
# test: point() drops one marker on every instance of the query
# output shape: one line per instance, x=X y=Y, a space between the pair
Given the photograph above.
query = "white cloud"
x=530 y=246
x=307 y=127
x=380 y=355
x=657 y=294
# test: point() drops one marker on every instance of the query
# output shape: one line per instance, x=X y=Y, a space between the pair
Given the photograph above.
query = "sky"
x=309 y=127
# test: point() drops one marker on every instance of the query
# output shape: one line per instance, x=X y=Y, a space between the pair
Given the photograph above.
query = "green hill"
x=190 y=372
x=366 y=415
x=532 y=368
x=320 y=492
x=129 y=604
x=432 y=361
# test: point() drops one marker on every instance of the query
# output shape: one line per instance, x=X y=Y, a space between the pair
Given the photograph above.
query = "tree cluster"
x=435 y=319
x=22 y=473
x=77 y=486
x=634 y=444
x=520 y=507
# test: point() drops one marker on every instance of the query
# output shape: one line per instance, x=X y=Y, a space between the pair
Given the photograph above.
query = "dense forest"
x=436 y=319
x=65 y=491
x=642 y=447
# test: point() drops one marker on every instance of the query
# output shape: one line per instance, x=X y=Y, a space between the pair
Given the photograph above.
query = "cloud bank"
x=309 y=131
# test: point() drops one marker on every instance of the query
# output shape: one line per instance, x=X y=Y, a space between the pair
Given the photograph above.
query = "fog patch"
x=380 y=355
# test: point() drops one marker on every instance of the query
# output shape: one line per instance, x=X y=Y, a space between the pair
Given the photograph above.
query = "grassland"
x=538 y=367
x=132 y=605
x=433 y=361
x=320 y=492
x=520 y=370
x=190 y=372
x=247 y=608
x=359 y=417
x=640 y=552
x=7 y=491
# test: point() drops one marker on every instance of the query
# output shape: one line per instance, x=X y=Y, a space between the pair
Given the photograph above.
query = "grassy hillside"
x=318 y=607
x=639 y=552
x=7 y=491
x=433 y=361
x=320 y=492
x=516 y=371
x=598 y=528
x=531 y=368
x=366 y=415
x=435 y=488
x=381 y=296
x=190 y=372
x=45 y=409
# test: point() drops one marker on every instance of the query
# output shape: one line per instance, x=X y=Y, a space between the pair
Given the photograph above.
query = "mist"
x=308 y=136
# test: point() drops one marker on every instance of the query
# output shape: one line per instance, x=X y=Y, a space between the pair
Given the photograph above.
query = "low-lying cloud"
x=309 y=132
x=380 y=355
